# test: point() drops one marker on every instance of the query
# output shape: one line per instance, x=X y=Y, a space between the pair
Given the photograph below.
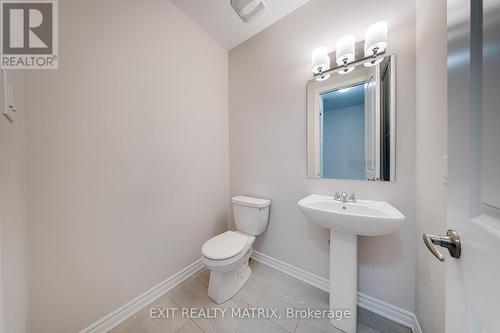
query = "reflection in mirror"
x=351 y=120
x=343 y=118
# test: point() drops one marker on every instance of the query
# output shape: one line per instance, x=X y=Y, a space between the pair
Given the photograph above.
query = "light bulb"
x=320 y=60
x=345 y=50
x=376 y=38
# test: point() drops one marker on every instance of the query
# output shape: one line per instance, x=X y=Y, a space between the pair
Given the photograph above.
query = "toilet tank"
x=250 y=214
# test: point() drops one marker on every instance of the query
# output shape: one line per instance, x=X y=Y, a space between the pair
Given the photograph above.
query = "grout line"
x=296 y=325
x=201 y=329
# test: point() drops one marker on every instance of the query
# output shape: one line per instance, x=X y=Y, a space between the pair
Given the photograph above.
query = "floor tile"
x=324 y=326
x=382 y=324
x=316 y=325
x=362 y=328
x=189 y=327
x=260 y=326
x=130 y=327
x=221 y=324
x=285 y=284
x=275 y=300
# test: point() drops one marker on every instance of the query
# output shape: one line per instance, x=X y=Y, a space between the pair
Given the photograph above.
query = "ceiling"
x=220 y=21
x=344 y=98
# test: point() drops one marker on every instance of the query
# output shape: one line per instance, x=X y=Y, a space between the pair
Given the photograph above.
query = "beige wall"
x=12 y=212
x=431 y=192
x=127 y=164
x=267 y=99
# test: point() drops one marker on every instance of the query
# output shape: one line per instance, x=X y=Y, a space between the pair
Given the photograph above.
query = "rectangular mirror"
x=351 y=124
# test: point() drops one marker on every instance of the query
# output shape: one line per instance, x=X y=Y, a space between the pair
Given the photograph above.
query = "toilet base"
x=224 y=285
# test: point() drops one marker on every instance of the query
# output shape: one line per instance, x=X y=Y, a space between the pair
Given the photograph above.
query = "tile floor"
x=266 y=288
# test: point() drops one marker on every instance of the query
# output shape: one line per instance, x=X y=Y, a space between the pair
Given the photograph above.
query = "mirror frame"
x=335 y=82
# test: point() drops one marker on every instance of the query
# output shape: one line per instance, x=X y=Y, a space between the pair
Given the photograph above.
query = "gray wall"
x=267 y=98
x=431 y=193
x=118 y=156
x=344 y=143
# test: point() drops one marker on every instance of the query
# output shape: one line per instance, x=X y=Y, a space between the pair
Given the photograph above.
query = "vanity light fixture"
x=320 y=63
x=374 y=46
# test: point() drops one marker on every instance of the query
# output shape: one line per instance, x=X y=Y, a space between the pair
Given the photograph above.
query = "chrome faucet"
x=344 y=197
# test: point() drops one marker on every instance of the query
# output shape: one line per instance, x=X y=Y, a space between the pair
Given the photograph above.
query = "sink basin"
x=347 y=220
x=365 y=217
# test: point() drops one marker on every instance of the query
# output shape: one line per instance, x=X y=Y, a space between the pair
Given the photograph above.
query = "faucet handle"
x=337 y=196
x=352 y=198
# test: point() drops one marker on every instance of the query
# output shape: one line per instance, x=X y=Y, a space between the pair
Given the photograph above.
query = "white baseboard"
x=298 y=273
x=121 y=314
x=372 y=304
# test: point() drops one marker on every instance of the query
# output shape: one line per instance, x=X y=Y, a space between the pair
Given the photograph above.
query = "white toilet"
x=227 y=254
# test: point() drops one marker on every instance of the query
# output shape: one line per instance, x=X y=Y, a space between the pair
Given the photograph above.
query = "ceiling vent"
x=248 y=10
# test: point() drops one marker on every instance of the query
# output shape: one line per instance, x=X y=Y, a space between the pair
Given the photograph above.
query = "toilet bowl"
x=227 y=255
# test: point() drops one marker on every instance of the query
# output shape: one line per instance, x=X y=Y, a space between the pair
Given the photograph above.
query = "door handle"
x=451 y=241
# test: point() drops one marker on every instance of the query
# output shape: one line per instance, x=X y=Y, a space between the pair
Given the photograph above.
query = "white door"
x=473 y=280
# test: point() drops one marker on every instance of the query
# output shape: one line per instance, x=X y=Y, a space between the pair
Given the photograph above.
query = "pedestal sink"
x=347 y=220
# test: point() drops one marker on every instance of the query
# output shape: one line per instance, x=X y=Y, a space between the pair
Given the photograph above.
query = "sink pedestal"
x=344 y=279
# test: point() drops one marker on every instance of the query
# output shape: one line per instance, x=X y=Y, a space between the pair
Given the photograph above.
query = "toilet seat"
x=226 y=245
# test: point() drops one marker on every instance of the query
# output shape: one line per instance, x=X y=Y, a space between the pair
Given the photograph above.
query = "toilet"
x=226 y=255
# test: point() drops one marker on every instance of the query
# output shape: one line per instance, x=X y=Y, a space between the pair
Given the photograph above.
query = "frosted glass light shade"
x=376 y=38
x=320 y=60
x=345 y=49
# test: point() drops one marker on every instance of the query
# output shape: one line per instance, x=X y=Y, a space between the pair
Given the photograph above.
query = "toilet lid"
x=225 y=245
